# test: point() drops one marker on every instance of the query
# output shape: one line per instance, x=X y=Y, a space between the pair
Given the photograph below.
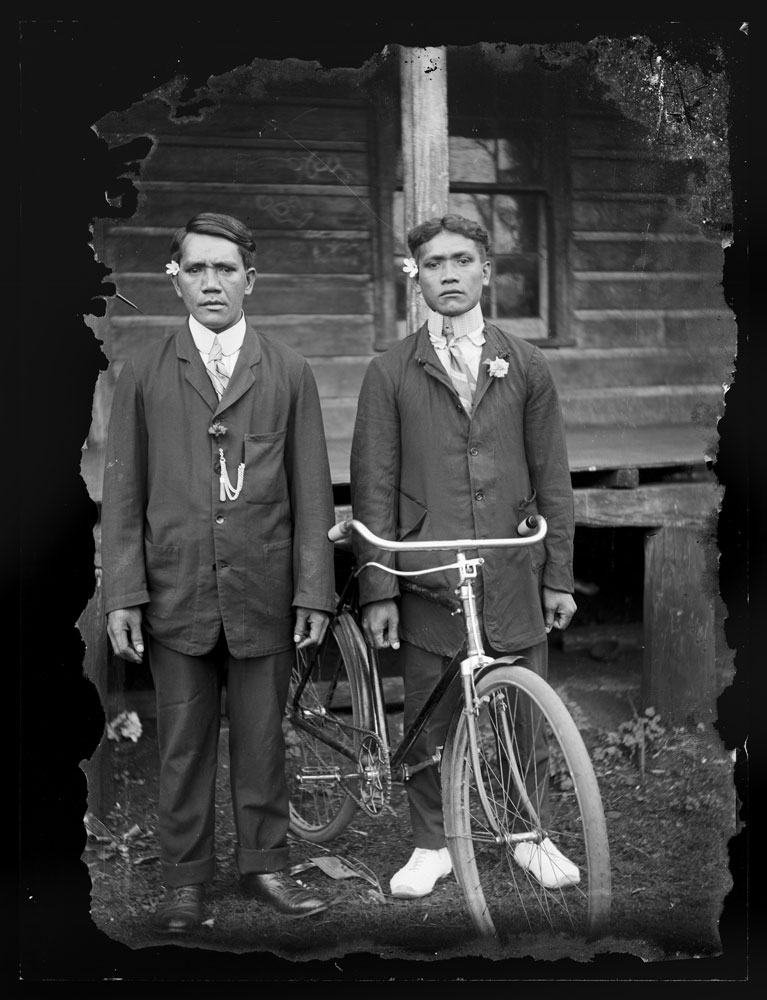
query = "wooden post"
x=679 y=619
x=425 y=161
x=679 y=678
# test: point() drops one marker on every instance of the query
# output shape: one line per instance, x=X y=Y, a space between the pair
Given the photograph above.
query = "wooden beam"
x=426 y=169
x=648 y=506
x=619 y=479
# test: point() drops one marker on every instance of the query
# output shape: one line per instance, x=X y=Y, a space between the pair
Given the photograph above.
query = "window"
x=505 y=161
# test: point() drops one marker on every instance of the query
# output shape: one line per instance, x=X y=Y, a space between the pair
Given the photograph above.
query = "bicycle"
x=500 y=794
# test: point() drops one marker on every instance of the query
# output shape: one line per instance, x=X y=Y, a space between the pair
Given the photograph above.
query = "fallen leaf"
x=96 y=829
x=301 y=867
x=336 y=867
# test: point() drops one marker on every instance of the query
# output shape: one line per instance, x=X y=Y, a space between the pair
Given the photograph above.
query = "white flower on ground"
x=172 y=267
x=497 y=368
x=410 y=267
x=126 y=725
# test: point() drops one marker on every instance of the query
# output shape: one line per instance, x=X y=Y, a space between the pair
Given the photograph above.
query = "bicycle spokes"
x=528 y=842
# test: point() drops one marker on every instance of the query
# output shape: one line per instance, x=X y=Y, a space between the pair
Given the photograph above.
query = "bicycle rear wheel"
x=327 y=713
x=498 y=846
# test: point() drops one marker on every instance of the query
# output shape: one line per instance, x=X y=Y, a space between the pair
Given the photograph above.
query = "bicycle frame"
x=515 y=775
x=532 y=529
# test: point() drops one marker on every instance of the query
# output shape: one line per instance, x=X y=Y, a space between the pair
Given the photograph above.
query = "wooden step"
x=309 y=295
x=146 y=250
x=315 y=336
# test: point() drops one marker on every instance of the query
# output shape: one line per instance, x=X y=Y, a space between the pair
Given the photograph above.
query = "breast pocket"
x=265 y=479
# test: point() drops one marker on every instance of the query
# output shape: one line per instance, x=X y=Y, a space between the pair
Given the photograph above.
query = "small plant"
x=633 y=738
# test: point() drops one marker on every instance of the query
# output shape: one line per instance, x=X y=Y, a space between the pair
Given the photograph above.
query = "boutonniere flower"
x=172 y=267
x=410 y=267
x=217 y=429
x=497 y=368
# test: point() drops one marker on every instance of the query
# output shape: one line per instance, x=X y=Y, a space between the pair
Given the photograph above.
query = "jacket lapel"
x=195 y=373
x=243 y=375
x=492 y=348
x=426 y=356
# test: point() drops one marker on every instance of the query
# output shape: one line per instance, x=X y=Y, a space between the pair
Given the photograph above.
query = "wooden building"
x=597 y=258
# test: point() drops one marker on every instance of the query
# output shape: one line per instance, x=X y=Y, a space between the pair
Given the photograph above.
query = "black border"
x=71 y=74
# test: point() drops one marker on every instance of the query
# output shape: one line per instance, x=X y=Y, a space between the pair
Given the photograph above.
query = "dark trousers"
x=188 y=691
x=422 y=670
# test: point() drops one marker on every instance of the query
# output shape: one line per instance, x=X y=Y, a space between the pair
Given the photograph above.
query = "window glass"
x=515 y=223
x=472 y=160
x=473 y=206
x=516 y=287
x=519 y=157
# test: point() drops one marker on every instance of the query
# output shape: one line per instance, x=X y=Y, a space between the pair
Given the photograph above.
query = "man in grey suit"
x=216 y=505
x=459 y=435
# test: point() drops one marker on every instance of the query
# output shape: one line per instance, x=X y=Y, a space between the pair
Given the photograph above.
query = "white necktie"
x=217 y=368
x=460 y=373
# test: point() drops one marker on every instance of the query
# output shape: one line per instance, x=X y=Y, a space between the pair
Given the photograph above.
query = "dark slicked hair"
x=459 y=224
x=224 y=226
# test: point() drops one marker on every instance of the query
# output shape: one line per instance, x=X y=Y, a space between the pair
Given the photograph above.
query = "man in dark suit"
x=216 y=505
x=459 y=435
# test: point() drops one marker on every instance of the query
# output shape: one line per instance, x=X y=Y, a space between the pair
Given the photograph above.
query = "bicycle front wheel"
x=523 y=818
x=327 y=713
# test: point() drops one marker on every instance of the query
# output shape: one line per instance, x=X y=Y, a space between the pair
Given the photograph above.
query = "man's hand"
x=380 y=623
x=124 y=631
x=310 y=627
x=558 y=608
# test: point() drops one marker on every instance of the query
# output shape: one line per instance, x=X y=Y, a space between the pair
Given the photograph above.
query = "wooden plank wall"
x=296 y=171
x=652 y=339
x=648 y=338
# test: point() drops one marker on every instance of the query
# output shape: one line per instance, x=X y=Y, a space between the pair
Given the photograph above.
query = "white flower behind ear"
x=172 y=267
x=497 y=367
x=410 y=267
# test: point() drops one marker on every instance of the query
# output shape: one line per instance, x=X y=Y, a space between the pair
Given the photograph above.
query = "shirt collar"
x=230 y=340
x=470 y=324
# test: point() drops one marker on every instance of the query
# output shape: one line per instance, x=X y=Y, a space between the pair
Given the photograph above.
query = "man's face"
x=451 y=273
x=212 y=280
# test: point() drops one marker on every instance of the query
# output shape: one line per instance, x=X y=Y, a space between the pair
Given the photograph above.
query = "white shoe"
x=546 y=864
x=420 y=874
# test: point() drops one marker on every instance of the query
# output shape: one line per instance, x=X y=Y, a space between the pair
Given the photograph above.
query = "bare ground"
x=669 y=821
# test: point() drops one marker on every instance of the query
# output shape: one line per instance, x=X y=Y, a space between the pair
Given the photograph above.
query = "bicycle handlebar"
x=531 y=530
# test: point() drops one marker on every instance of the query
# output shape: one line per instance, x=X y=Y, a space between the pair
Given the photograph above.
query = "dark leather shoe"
x=282 y=893
x=181 y=908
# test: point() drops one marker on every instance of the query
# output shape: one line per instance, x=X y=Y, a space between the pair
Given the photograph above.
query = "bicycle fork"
x=475 y=659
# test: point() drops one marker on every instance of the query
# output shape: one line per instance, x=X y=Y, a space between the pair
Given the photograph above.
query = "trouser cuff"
x=188 y=873
x=260 y=862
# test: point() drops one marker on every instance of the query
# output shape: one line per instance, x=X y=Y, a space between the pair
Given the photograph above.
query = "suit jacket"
x=422 y=469
x=168 y=541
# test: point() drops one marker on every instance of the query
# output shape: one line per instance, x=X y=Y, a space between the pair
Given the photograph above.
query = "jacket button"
x=474 y=451
x=479 y=495
x=219 y=519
